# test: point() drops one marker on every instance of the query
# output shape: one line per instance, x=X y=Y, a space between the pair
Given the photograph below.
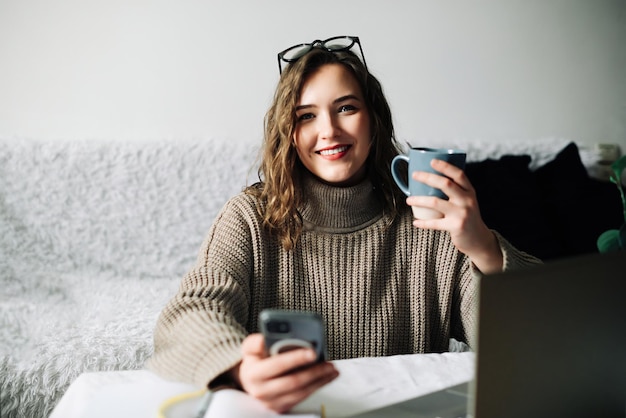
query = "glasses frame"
x=322 y=45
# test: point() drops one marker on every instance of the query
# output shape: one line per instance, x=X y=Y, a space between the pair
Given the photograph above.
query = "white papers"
x=364 y=384
x=236 y=404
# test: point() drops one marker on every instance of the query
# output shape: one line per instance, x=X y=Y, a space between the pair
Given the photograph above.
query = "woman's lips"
x=334 y=152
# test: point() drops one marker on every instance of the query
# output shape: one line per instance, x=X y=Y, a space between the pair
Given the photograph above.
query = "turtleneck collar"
x=338 y=209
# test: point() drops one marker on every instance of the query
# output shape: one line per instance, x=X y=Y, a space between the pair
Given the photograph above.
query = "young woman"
x=326 y=230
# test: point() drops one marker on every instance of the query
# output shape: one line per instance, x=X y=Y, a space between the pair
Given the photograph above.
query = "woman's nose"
x=329 y=127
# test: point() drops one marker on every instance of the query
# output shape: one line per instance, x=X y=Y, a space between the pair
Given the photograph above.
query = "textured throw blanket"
x=94 y=238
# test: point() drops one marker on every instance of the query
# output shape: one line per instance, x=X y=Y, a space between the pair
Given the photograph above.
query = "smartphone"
x=286 y=330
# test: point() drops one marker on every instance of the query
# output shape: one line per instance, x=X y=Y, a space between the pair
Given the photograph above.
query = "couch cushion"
x=578 y=207
x=510 y=203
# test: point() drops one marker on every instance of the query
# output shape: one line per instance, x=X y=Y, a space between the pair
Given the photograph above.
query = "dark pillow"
x=579 y=207
x=510 y=203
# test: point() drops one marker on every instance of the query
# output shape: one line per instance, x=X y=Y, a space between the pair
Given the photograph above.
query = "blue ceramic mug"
x=418 y=159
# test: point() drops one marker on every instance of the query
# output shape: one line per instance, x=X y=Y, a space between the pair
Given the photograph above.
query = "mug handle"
x=402 y=183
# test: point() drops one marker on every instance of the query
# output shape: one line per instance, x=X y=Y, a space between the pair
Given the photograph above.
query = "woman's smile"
x=334 y=153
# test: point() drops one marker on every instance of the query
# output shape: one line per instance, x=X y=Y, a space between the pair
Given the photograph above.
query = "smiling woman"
x=332 y=135
x=359 y=94
x=326 y=231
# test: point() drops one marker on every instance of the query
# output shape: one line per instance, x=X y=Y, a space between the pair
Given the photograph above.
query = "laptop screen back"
x=552 y=340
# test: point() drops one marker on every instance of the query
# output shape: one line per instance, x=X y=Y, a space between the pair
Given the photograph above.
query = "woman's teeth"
x=334 y=150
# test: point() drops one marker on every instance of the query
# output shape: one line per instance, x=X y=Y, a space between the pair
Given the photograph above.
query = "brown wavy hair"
x=279 y=193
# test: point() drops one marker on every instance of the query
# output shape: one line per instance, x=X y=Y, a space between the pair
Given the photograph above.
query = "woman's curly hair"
x=279 y=193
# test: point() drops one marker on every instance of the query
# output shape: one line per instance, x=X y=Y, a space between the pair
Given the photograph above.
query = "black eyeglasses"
x=334 y=44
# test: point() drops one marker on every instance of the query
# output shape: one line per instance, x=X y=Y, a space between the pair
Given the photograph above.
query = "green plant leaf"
x=616 y=177
x=608 y=241
x=618 y=167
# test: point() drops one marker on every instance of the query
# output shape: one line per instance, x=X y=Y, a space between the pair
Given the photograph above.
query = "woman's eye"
x=305 y=116
x=346 y=108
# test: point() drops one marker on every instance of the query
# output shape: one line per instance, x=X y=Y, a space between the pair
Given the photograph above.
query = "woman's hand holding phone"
x=283 y=380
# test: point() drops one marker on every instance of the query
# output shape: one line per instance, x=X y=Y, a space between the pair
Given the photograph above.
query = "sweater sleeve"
x=514 y=258
x=199 y=332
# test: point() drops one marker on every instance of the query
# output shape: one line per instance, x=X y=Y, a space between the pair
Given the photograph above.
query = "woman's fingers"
x=452 y=181
x=453 y=172
x=253 y=349
x=283 y=363
x=281 y=381
x=253 y=345
x=283 y=392
x=301 y=386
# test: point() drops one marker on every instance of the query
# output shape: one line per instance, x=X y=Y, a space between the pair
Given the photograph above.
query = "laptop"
x=551 y=343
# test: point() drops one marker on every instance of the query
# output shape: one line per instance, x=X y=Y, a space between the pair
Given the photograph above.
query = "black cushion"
x=510 y=203
x=578 y=207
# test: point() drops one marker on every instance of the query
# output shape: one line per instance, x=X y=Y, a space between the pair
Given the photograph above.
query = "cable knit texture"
x=382 y=290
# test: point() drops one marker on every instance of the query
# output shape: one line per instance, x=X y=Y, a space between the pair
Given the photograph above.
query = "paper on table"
x=365 y=384
x=143 y=394
x=247 y=407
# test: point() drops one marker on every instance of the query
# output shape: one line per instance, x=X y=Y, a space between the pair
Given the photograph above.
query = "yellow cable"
x=168 y=403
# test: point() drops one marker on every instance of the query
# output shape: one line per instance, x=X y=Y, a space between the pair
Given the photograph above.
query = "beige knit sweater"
x=381 y=291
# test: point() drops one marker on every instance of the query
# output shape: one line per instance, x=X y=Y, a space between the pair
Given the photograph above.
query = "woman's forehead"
x=329 y=81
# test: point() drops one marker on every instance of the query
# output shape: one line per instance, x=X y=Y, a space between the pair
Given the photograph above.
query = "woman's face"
x=332 y=135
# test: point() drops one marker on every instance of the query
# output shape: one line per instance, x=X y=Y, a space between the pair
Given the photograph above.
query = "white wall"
x=504 y=70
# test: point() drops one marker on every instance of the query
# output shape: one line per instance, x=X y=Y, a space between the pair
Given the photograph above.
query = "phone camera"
x=280 y=327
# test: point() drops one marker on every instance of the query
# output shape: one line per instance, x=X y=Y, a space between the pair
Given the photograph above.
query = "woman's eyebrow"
x=305 y=106
x=337 y=100
x=347 y=97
